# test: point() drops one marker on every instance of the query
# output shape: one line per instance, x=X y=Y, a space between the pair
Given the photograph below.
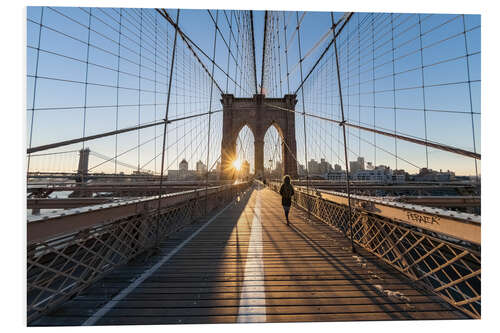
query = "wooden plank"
x=188 y=302
x=354 y=294
x=146 y=310
x=298 y=317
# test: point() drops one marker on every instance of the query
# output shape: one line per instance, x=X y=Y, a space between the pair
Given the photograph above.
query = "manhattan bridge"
x=158 y=138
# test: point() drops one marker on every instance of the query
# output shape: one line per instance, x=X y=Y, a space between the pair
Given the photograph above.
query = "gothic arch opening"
x=273 y=152
x=243 y=163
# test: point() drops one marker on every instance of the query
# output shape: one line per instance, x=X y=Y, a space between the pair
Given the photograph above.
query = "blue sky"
x=191 y=91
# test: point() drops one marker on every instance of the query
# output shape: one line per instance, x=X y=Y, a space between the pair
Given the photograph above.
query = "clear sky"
x=135 y=54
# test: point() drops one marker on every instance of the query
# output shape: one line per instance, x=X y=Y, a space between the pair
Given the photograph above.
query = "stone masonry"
x=258 y=116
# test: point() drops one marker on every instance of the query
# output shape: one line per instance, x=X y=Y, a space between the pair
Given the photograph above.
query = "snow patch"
x=394 y=294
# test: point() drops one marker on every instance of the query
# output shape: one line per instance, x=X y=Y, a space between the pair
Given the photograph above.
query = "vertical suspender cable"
x=86 y=87
x=332 y=116
x=210 y=111
x=470 y=97
x=228 y=53
x=373 y=87
x=345 y=141
x=286 y=54
x=241 y=53
x=156 y=84
x=263 y=53
x=303 y=108
x=118 y=88
x=423 y=88
x=242 y=38
x=34 y=87
x=348 y=83
x=165 y=131
x=139 y=106
x=86 y=79
x=394 y=92
x=253 y=52
x=359 y=86
x=279 y=52
x=244 y=41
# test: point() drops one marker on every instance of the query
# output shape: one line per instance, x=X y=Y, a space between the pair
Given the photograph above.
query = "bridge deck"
x=246 y=265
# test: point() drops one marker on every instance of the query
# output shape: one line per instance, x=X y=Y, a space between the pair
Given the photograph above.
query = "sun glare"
x=237 y=165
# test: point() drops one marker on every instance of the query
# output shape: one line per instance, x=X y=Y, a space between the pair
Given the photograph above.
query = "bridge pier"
x=258 y=113
x=259 y=157
x=83 y=164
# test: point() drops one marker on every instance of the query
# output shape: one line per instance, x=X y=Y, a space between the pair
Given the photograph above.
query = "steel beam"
x=49 y=203
x=42 y=228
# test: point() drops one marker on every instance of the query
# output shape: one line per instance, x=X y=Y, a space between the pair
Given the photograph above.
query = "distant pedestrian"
x=286 y=192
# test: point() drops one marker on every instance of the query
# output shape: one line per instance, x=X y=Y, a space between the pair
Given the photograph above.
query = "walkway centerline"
x=253 y=297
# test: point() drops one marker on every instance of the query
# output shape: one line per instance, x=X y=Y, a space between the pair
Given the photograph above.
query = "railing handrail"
x=74 y=219
x=458 y=225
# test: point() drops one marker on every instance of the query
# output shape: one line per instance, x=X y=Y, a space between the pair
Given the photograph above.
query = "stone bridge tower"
x=258 y=115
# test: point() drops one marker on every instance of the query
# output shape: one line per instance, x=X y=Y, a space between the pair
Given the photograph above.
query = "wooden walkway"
x=247 y=265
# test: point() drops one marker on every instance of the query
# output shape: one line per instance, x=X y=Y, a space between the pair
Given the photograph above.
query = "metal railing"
x=447 y=265
x=61 y=264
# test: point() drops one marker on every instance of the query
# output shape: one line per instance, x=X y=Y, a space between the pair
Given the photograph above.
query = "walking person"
x=286 y=192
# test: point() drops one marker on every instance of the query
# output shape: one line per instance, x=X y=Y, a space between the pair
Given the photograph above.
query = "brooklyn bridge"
x=158 y=139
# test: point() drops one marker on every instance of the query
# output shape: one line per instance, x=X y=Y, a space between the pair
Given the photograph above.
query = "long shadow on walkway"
x=339 y=264
x=189 y=276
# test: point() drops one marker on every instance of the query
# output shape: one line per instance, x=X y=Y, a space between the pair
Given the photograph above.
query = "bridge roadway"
x=246 y=265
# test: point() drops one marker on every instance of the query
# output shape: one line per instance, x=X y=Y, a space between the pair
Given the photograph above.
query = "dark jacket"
x=286 y=192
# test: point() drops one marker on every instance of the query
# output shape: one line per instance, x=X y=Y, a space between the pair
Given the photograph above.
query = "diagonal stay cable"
x=189 y=42
x=227 y=46
x=124 y=164
x=108 y=159
x=171 y=145
x=105 y=134
x=436 y=145
x=346 y=20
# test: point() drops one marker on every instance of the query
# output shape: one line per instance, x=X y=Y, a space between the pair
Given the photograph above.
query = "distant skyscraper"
x=354 y=167
x=324 y=167
x=301 y=170
x=183 y=166
x=201 y=168
x=361 y=161
x=313 y=167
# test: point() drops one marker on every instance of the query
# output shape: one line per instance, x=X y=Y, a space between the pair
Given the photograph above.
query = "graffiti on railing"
x=422 y=218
